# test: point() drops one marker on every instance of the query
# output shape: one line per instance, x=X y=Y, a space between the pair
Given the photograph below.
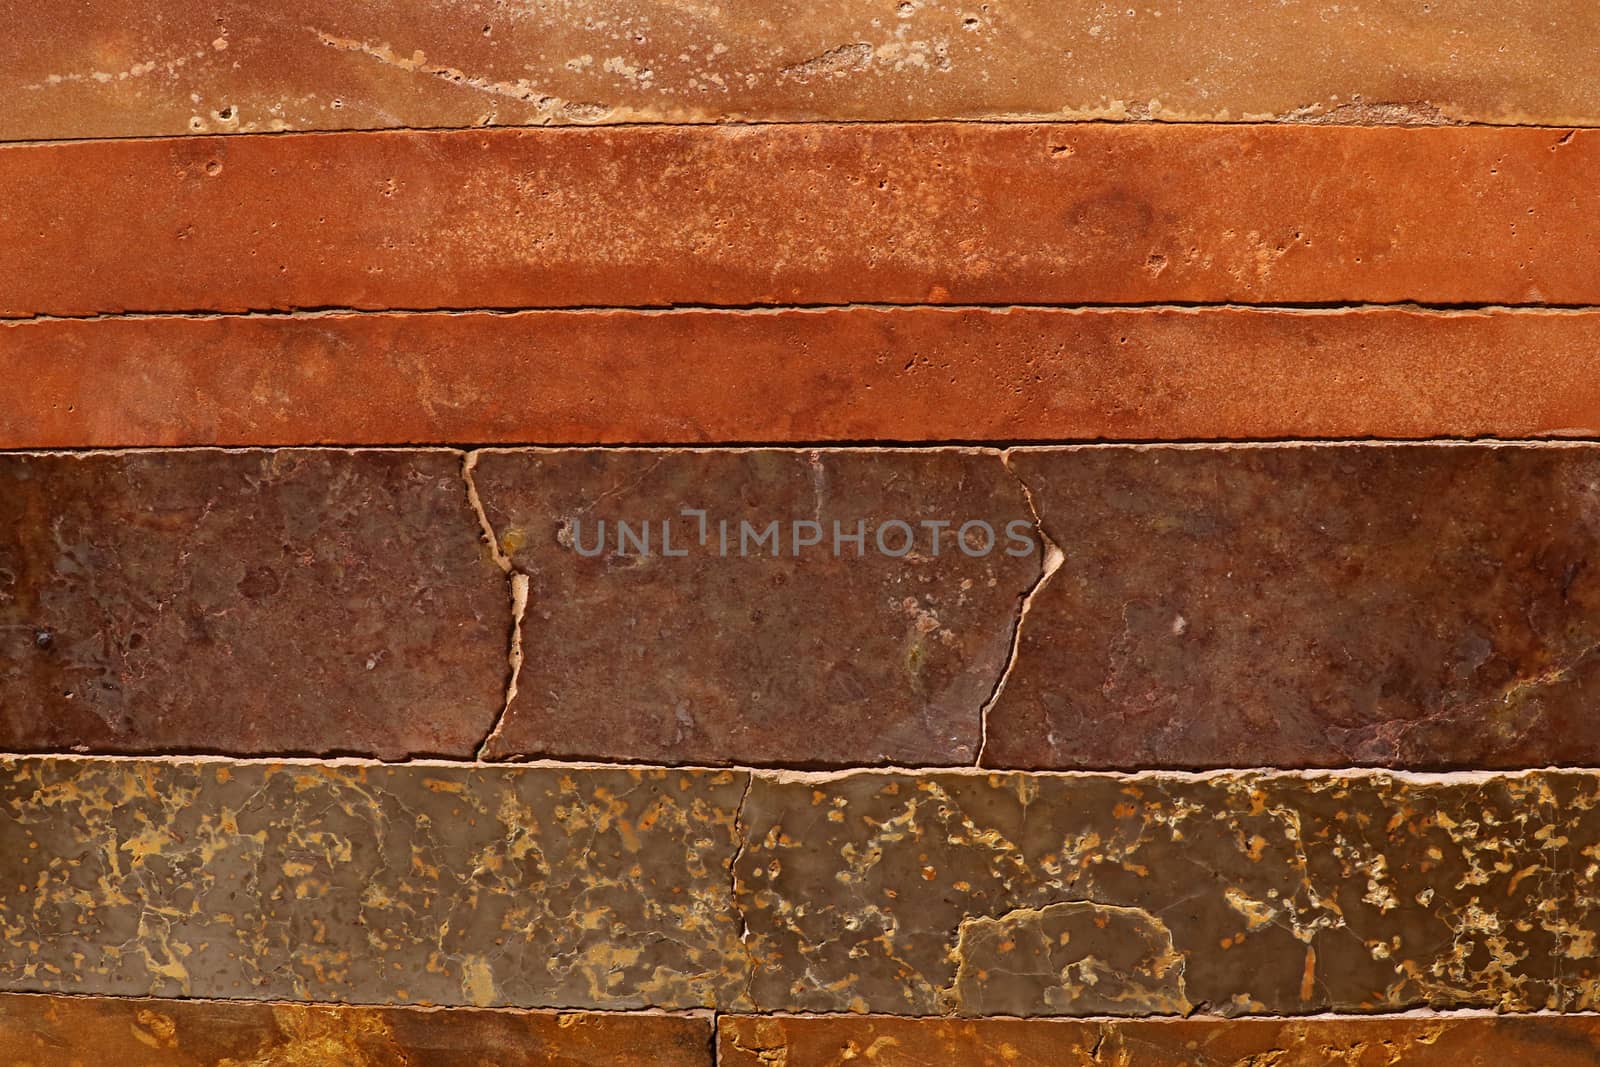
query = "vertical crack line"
x=518 y=589
x=469 y=464
x=1053 y=558
x=740 y=842
x=519 y=608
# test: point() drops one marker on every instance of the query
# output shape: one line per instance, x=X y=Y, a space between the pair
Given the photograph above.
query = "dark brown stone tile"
x=854 y=374
x=952 y=213
x=832 y=653
x=1426 y=606
x=246 y=602
x=1018 y=894
x=47 y=1031
x=154 y=67
x=745 y=1041
x=958 y=893
x=529 y=887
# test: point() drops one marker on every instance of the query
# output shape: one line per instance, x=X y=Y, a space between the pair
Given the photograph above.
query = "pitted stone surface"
x=802 y=376
x=553 y=887
x=745 y=1041
x=935 y=213
x=246 y=602
x=148 y=68
x=1427 y=606
x=753 y=651
x=46 y=1031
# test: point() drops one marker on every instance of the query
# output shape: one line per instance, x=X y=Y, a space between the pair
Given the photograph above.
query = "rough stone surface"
x=772 y=215
x=859 y=374
x=550 y=887
x=835 y=653
x=45 y=1031
x=1427 y=606
x=1238 y=893
x=745 y=1041
x=150 y=68
x=571 y=887
x=246 y=602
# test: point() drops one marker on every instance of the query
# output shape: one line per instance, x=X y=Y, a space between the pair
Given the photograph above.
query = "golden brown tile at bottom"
x=51 y=1031
x=1464 y=1040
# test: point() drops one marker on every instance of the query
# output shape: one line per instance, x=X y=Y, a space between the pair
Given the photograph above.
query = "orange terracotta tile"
x=1473 y=1041
x=49 y=1031
x=926 y=213
x=861 y=374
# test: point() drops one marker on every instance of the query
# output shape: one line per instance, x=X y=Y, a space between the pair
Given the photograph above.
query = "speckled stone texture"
x=152 y=68
x=1427 y=606
x=856 y=374
x=573 y=887
x=292 y=601
x=44 y=1031
x=1229 y=894
x=708 y=646
x=770 y=215
x=1438 y=1042
x=552 y=887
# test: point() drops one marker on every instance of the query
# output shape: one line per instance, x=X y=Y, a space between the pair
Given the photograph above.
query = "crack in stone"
x=1053 y=558
x=1311 y=309
x=518 y=591
x=739 y=832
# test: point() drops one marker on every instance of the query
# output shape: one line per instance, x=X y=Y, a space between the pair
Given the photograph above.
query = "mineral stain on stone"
x=1281 y=894
x=896 y=893
x=1071 y=957
x=370 y=883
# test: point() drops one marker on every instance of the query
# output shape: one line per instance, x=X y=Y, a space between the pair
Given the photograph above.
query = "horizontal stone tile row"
x=154 y=68
x=1454 y=1041
x=40 y=1031
x=964 y=894
x=866 y=213
x=857 y=374
x=46 y=1031
x=1425 y=606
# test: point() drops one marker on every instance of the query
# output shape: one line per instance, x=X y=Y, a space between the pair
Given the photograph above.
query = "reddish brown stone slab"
x=1447 y=1041
x=1425 y=606
x=49 y=1031
x=753 y=630
x=246 y=602
x=876 y=213
x=858 y=374
x=156 y=68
